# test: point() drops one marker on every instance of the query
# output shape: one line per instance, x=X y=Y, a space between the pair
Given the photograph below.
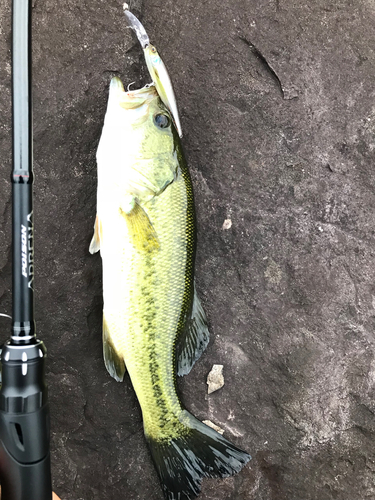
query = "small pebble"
x=227 y=224
x=215 y=379
x=214 y=426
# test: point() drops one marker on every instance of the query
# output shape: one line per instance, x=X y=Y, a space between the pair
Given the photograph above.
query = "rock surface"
x=277 y=100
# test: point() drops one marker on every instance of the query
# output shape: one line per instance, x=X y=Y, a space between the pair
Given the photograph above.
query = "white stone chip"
x=214 y=426
x=227 y=224
x=215 y=379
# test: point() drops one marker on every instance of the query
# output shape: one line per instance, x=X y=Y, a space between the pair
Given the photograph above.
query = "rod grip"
x=25 y=469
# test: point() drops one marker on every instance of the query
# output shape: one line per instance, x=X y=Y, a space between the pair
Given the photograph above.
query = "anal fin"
x=194 y=338
x=113 y=361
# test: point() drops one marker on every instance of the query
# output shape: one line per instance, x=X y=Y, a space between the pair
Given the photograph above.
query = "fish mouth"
x=130 y=99
x=117 y=85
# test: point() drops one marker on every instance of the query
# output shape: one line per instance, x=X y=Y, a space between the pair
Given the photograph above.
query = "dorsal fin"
x=194 y=338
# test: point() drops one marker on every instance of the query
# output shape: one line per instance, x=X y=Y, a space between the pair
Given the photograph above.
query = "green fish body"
x=153 y=323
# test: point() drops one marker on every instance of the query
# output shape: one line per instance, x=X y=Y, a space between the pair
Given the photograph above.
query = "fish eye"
x=162 y=121
x=153 y=50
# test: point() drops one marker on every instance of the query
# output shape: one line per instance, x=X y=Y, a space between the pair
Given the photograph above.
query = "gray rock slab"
x=276 y=100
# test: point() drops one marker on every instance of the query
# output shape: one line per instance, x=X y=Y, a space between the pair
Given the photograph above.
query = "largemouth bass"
x=153 y=322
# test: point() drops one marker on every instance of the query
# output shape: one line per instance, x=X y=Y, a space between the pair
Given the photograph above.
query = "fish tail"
x=199 y=451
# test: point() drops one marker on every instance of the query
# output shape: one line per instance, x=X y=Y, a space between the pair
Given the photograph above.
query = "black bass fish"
x=153 y=322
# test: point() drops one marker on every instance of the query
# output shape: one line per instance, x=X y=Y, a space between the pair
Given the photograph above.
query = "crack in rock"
x=286 y=93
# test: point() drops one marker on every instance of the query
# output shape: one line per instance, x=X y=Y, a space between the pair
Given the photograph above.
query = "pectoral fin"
x=141 y=230
x=95 y=242
x=194 y=338
x=114 y=362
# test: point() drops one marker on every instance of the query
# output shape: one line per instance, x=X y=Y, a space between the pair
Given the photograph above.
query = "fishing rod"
x=25 y=470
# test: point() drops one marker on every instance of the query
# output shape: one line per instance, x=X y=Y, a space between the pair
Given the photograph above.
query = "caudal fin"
x=182 y=462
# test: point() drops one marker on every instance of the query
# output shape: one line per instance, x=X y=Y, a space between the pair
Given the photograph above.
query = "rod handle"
x=25 y=470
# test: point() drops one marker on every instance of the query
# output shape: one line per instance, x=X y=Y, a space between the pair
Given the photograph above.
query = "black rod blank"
x=22 y=177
